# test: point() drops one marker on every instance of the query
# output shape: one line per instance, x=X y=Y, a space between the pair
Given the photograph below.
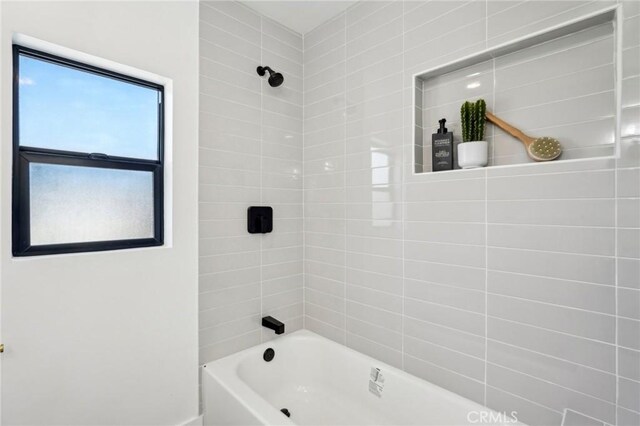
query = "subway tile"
x=455 y=190
x=447 y=379
x=547 y=394
x=324 y=31
x=532 y=16
x=445 y=295
x=449 y=46
x=629 y=303
x=629 y=364
x=361 y=10
x=629 y=243
x=573 y=294
x=590 y=353
x=322 y=299
x=228 y=330
x=596 y=241
x=630 y=57
x=372 y=42
x=327 y=316
x=331 y=272
x=282 y=284
x=568 y=86
x=628 y=417
x=230 y=41
x=374 y=333
x=374 y=298
x=445 y=337
x=375 y=281
x=227 y=279
x=452 y=211
x=596 y=184
x=451 y=360
x=551 y=254
x=228 y=296
x=629 y=394
x=226 y=262
x=382 y=318
x=229 y=346
x=273 y=302
x=466 y=14
x=327 y=286
x=334 y=60
x=523 y=410
x=282 y=33
x=451 y=275
x=595 y=213
x=374 y=349
x=330 y=43
x=426 y=12
x=592 y=269
x=235 y=10
x=233 y=26
x=325 y=255
x=212 y=317
x=576 y=322
x=336 y=334
x=573 y=376
x=576 y=419
x=629 y=273
x=628 y=212
x=629 y=333
x=368 y=23
x=465 y=321
x=451 y=254
x=454 y=233
x=213 y=246
x=629 y=183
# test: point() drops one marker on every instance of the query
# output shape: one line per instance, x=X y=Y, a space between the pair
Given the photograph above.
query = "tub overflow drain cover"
x=268 y=355
x=286 y=412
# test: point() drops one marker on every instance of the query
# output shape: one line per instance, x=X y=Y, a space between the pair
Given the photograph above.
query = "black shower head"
x=275 y=78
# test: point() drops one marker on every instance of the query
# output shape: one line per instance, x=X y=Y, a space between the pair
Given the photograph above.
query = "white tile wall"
x=516 y=287
x=250 y=154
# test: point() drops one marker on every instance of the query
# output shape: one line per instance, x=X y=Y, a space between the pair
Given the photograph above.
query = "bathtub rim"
x=225 y=372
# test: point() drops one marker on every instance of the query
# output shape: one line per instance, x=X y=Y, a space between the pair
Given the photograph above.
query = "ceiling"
x=299 y=15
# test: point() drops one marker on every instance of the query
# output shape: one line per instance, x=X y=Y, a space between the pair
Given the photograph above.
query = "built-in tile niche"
x=562 y=83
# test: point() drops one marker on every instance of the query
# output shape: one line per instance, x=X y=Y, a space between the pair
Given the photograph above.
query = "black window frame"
x=23 y=156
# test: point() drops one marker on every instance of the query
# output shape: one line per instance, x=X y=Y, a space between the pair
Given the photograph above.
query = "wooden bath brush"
x=539 y=149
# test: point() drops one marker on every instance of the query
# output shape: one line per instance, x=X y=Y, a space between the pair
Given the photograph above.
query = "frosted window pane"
x=81 y=204
x=72 y=110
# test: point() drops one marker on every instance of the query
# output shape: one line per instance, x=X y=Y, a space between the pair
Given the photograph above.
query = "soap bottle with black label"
x=442 y=148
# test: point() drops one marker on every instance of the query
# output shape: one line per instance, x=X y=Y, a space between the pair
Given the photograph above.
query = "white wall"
x=106 y=338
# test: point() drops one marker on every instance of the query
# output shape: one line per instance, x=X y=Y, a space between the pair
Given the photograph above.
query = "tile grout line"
x=344 y=179
x=486 y=222
x=261 y=184
x=304 y=184
x=486 y=289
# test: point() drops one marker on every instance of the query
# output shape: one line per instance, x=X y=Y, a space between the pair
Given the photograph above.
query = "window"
x=87 y=157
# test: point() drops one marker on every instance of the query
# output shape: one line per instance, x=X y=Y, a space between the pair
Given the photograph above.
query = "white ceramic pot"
x=473 y=154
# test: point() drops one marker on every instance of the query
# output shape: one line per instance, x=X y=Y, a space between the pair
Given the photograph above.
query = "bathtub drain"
x=286 y=412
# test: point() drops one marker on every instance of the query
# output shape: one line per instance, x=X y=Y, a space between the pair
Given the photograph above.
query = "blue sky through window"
x=73 y=110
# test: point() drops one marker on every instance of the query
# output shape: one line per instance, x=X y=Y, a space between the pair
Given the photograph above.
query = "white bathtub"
x=323 y=383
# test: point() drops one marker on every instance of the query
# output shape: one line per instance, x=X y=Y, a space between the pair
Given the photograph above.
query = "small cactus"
x=465 y=119
x=481 y=110
x=472 y=117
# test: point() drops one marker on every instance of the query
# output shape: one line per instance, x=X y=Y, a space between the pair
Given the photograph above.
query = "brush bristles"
x=545 y=149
